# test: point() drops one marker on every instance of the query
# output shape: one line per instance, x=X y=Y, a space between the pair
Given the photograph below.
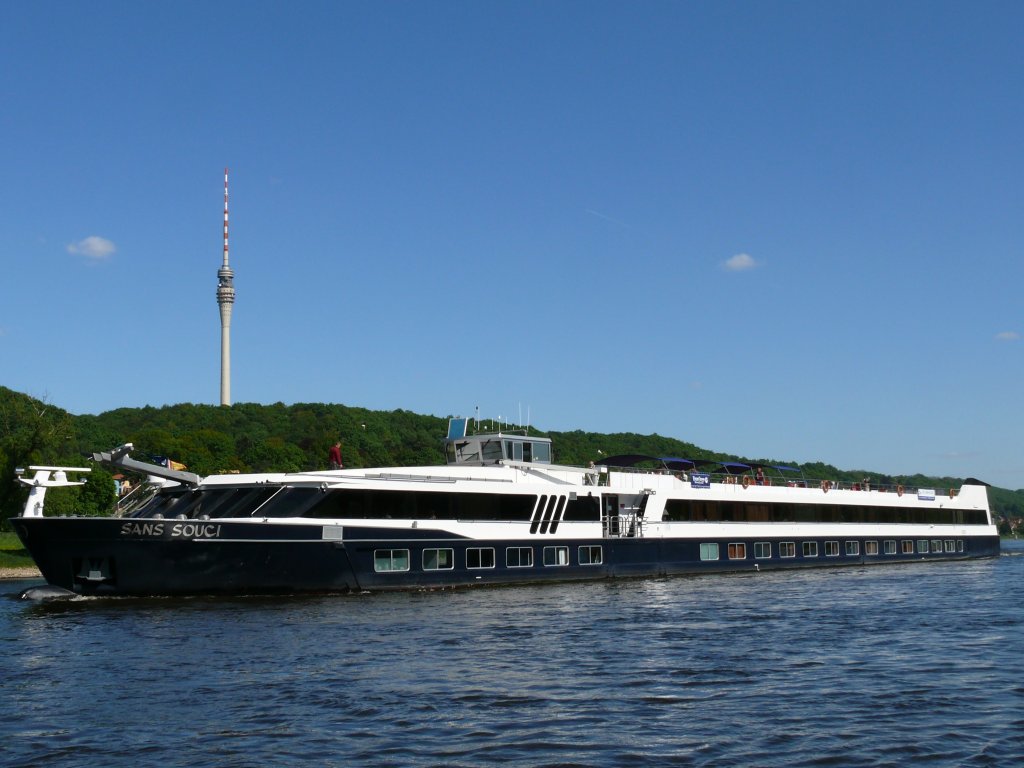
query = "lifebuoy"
x=899 y=490
x=746 y=481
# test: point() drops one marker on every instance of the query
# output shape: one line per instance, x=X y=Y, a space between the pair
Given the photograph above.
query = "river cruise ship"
x=500 y=512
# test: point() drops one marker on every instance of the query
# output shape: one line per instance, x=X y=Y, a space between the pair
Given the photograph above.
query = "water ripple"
x=853 y=667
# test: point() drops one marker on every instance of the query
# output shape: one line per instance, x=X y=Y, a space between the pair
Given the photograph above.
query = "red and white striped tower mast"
x=225 y=300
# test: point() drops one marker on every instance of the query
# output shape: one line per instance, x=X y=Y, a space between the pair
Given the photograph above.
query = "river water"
x=873 y=666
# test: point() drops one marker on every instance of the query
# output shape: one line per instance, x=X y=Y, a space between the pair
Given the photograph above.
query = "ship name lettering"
x=142 y=529
x=195 y=531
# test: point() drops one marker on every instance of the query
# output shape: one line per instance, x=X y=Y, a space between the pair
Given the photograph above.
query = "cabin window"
x=480 y=557
x=519 y=557
x=907 y=546
x=959 y=545
x=870 y=547
x=831 y=549
x=385 y=560
x=922 y=546
x=737 y=551
x=950 y=545
x=936 y=545
x=762 y=550
x=556 y=555
x=890 y=546
x=853 y=547
x=709 y=551
x=810 y=549
x=787 y=549
x=438 y=559
x=591 y=554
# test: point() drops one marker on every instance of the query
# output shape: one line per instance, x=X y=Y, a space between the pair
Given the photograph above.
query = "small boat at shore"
x=500 y=512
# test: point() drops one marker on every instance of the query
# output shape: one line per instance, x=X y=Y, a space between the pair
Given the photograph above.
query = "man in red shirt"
x=334 y=457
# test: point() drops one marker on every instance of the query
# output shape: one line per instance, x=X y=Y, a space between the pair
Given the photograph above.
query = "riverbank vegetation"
x=12 y=553
x=249 y=437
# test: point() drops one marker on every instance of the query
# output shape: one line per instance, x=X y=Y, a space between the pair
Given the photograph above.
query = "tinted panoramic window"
x=582 y=509
x=418 y=505
x=684 y=510
x=216 y=502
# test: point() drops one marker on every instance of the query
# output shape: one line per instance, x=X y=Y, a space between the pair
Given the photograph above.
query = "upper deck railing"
x=821 y=485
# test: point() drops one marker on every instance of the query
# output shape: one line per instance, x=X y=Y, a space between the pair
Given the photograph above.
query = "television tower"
x=225 y=300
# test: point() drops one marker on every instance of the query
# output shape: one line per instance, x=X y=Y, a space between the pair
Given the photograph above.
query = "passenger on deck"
x=334 y=456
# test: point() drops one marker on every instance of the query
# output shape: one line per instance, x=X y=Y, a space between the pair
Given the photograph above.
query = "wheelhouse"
x=481 y=449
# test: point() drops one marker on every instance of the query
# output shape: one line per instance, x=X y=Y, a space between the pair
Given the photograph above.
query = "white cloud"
x=740 y=262
x=94 y=248
x=1007 y=336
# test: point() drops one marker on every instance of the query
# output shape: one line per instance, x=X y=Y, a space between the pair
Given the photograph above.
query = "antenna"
x=225 y=300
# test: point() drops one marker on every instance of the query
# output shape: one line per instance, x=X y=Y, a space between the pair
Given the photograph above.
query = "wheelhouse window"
x=810 y=549
x=438 y=559
x=787 y=549
x=490 y=451
x=831 y=549
x=762 y=550
x=386 y=560
x=480 y=557
x=542 y=452
x=556 y=555
x=519 y=557
x=709 y=551
x=853 y=547
x=737 y=551
x=591 y=554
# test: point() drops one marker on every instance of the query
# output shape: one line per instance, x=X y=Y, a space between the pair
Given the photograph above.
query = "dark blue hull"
x=170 y=557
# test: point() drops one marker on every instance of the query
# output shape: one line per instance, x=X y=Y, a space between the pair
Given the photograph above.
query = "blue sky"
x=785 y=230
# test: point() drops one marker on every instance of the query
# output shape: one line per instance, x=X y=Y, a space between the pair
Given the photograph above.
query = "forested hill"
x=251 y=437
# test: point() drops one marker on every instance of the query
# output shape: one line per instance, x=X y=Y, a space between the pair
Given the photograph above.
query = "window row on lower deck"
x=763 y=550
x=474 y=558
x=443 y=558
